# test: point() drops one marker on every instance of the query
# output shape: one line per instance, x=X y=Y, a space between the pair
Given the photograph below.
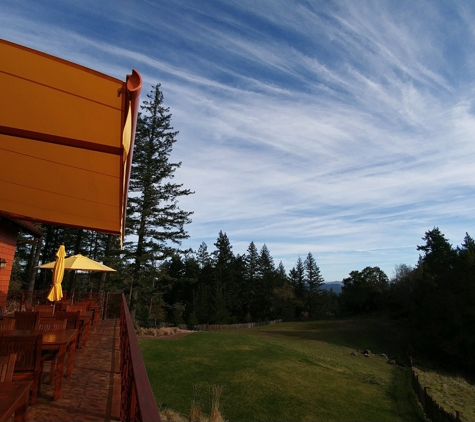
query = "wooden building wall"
x=8 y=241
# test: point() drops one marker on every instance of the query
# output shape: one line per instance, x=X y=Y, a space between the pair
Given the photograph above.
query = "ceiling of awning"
x=65 y=136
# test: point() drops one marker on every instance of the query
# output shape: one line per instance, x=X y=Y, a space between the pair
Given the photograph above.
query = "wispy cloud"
x=342 y=128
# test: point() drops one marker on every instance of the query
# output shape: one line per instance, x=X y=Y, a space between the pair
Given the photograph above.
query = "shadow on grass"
x=400 y=393
x=377 y=334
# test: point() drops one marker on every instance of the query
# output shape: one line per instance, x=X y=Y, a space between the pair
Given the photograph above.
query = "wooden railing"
x=109 y=302
x=137 y=401
x=19 y=299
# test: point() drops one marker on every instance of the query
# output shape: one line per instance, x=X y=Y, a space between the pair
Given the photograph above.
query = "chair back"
x=86 y=303
x=52 y=325
x=71 y=317
x=7 y=324
x=62 y=304
x=7 y=365
x=28 y=363
x=26 y=320
x=45 y=310
x=74 y=308
x=26 y=348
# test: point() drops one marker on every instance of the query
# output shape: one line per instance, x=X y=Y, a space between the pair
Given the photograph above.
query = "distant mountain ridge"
x=332 y=285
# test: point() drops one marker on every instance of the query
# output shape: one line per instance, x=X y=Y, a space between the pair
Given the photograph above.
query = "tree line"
x=435 y=299
x=188 y=287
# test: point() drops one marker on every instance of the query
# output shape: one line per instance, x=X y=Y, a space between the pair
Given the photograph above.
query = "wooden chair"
x=62 y=304
x=7 y=324
x=50 y=324
x=74 y=308
x=45 y=310
x=86 y=303
x=91 y=305
x=7 y=365
x=72 y=319
x=73 y=322
x=26 y=320
x=28 y=365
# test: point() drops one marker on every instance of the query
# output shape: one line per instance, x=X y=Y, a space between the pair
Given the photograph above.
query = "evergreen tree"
x=202 y=255
x=238 y=308
x=313 y=280
x=439 y=257
x=284 y=295
x=297 y=278
x=267 y=278
x=224 y=290
x=250 y=280
x=252 y=262
x=153 y=215
x=281 y=275
x=223 y=257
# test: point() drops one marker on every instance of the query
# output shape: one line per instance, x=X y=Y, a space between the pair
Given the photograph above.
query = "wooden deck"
x=92 y=393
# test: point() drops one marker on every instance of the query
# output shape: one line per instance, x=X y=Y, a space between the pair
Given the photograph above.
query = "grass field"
x=286 y=372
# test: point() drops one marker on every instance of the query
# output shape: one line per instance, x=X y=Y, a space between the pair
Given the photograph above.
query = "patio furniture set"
x=30 y=338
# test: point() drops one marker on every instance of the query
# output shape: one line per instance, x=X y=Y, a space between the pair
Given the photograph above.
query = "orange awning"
x=66 y=140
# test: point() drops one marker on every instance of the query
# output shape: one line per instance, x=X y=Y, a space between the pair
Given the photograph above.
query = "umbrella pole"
x=73 y=288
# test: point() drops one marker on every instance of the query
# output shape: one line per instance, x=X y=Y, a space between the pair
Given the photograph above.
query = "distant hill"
x=332 y=285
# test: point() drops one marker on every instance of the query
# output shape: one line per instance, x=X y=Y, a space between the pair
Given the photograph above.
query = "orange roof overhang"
x=66 y=141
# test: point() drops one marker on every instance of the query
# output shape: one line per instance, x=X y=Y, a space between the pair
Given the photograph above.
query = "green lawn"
x=285 y=372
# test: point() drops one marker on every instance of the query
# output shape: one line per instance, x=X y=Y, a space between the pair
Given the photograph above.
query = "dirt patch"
x=175 y=336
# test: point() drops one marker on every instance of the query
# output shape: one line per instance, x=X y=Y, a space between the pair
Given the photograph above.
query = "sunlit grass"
x=286 y=372
x=450 y=391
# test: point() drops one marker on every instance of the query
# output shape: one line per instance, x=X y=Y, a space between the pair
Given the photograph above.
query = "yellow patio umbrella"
x=81 y=263
x=56 y=292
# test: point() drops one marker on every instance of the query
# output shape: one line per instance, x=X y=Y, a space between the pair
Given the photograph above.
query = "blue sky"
x=341 y=128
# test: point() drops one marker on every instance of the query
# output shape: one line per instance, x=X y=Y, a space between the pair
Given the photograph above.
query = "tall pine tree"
x=153 y=216
x=250 y=281
x=313 y=279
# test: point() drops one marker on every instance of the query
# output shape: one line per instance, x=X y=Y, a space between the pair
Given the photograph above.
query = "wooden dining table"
x=60 y=340
x=14 y=397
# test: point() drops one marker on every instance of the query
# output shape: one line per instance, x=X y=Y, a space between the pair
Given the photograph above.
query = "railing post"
x=106 y=303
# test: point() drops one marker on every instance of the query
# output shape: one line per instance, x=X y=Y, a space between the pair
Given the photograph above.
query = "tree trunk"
x=102 y=283
x=77 y=246
x=133 y=296
x=34 y=263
